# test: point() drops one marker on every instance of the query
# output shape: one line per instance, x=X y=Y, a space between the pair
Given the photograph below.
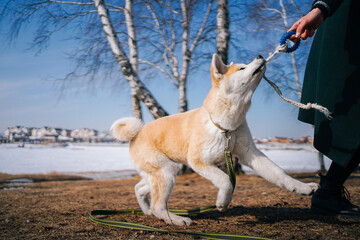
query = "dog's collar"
x=218 y=126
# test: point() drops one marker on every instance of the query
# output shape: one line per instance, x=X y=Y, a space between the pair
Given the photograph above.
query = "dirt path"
x=59 y=210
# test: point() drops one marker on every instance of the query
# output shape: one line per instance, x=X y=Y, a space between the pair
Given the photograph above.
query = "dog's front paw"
x=222 y=208
x=224 y=198
x=307 y=189
x=312 y=188
x=222 y=204
x=179 y=221
x=147 y=212
x=186 y=222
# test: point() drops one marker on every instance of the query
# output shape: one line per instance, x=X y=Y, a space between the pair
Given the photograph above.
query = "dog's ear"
x=218 y=68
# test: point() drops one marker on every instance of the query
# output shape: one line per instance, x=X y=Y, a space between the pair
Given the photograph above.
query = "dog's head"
x=237 y=78
x=232 y=88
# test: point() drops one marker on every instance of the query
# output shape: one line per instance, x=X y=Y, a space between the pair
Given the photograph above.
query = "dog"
x=196 y=138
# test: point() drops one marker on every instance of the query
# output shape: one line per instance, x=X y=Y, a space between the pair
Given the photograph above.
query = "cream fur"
x=125 y=129
x=192 y=138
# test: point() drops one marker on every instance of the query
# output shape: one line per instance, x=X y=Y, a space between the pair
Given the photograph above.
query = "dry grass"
x=51 y=209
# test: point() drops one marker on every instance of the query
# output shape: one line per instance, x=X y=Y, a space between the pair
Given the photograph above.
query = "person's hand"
x=306 y=26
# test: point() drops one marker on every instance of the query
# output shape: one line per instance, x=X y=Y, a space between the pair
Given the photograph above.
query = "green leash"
x=134 y=226
x=230 y=168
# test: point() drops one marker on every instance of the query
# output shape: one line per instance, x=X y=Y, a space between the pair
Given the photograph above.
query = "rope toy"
x=286 y=36
x=307 y=106
x=283 y=47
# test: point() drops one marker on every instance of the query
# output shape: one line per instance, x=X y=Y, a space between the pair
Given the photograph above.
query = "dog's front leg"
x=249 y=155
x=220 y=179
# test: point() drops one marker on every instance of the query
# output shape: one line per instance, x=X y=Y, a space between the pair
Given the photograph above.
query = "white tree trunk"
x=223 y=33
x=131 y=76
x=188 y=51
x=183 y=106
x=135 y=104
x=129 y=16
x=133 y=56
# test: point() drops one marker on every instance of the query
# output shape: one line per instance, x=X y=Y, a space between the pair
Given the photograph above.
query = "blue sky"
x=29 y=95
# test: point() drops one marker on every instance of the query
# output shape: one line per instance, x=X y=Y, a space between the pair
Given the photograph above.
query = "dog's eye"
x=242 y=68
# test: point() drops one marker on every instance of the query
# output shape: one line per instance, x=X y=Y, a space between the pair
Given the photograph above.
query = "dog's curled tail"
x=126 y=129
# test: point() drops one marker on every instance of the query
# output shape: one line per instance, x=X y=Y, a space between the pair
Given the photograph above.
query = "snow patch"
x=113 y=160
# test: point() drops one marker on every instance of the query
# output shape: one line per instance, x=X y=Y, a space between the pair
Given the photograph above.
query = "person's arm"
x=307 y=25
x=327 y=7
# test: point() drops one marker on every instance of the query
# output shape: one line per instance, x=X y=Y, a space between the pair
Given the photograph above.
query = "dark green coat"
x=332 y=79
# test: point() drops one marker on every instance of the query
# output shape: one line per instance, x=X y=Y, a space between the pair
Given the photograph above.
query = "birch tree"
x=54 y=16
x=222 y=27
x=176 y=32
x=133 y=54
x=174 y=29
x=138 y=89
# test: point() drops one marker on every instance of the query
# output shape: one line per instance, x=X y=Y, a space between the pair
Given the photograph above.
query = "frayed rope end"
x=320 y=108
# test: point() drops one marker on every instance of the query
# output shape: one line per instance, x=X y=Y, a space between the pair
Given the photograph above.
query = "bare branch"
x=73 y=16
x=201 y=29
x=157 y=24
x=171 y=62
x=161 y=70
x=297 y=8
x=272 y=10
x=284 y=15
x=41 y=39
x=116 y=7
x=72 y=3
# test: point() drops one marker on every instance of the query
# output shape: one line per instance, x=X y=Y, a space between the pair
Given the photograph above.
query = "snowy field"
x=100 y=161
x=91 y=160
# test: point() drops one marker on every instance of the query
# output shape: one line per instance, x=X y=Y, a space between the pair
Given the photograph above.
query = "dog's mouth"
x=259 y=69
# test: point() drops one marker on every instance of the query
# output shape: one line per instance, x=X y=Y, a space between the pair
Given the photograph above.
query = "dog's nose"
x=259 y=56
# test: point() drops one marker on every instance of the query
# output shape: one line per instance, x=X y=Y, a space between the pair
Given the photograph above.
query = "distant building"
x=105 y=136
x=16 y=134
x=3 y=139
x=84 y=135
x=262 y=140
x=284 y=140
x=48 y=135
x=306 y=139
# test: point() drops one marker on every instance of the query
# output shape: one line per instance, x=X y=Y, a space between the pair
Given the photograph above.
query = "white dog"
x=195 y=138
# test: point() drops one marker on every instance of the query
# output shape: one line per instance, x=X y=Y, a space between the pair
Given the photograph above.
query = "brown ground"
x=60 y=209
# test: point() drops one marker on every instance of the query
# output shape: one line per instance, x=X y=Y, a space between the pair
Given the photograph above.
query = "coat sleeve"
x=327 y=7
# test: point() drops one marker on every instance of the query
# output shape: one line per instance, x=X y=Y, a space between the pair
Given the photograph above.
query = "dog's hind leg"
x=162 y=182
x=142 y=191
